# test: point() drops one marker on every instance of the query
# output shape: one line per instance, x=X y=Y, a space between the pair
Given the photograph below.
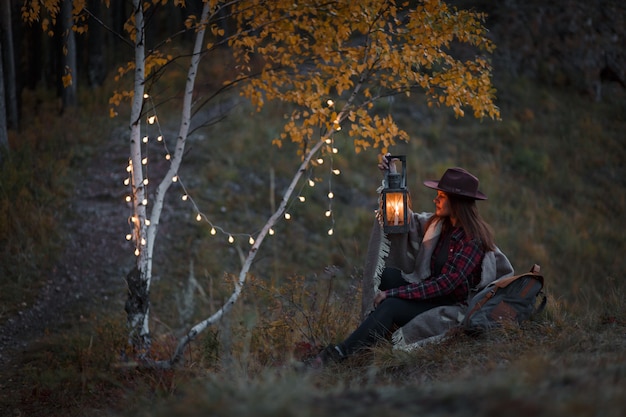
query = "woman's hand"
x=387 y=164
x=380 y=297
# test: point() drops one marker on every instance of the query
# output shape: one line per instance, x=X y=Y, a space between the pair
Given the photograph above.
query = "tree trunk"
x=4 y=136
x=138 y=280
x=96 y=71
x=68 y=73
x=8 y=65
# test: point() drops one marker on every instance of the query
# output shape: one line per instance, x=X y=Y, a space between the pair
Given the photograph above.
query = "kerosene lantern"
x=395 y=199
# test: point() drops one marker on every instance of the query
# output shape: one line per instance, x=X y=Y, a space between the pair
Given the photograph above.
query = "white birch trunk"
x=139 y=280
x=243 y=274
x=137 y=304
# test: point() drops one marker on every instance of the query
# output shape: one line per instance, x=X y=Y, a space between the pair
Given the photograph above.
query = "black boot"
x=330 y=354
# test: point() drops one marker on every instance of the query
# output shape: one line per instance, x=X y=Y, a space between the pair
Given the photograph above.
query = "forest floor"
x=89 y=276
x=561 y=365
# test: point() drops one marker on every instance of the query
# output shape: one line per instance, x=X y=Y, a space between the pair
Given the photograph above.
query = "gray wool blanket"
x=411 y=253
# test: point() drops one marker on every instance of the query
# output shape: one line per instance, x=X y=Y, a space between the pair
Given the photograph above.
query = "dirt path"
x=90 y=273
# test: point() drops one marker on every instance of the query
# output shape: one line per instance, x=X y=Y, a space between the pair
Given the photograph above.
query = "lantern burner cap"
x=394 y=180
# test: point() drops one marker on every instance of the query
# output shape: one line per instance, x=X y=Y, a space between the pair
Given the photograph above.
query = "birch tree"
x=331 y=61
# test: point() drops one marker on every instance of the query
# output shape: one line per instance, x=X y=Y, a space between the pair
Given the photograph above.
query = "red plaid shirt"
x=460 y=272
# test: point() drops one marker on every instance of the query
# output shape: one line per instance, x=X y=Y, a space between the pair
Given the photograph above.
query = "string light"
x=153 y=120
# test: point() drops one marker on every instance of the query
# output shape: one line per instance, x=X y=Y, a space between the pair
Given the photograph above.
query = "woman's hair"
x=466 y=212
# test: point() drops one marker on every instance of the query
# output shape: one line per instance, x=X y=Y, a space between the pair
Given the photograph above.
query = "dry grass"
x=553 y=169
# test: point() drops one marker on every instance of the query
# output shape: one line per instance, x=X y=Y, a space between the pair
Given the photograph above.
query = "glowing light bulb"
x=147 y=222
x=328 y=213
x=271 y=232
x=168 y=157
x=330 y=232
x=213 y=231
x=143 y=241
x=145 y=95
x=335 y=150
x=336 y=172
x=129 y=168
x=328 y=141
x=198 y=217
x=144 y=202
x=330 y=103
x=129 y=236
x=128 y=198
x=127 y=181
x=145 y=181
x=144 y=161
x=331 y=195
x=311 y=183
x=320 y=161
x=231 y=239
x=175 y=178
x=145 y=139
x=302 y=198
x=152 y=119
x=287 y=216
x=160 y=138
x=137 y=252
x=185 y=197
x=251 y=240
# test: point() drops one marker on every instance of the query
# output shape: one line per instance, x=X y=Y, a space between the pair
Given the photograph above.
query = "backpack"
x=512 y=299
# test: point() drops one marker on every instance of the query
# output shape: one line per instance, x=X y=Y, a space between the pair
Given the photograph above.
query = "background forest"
x=554 y=168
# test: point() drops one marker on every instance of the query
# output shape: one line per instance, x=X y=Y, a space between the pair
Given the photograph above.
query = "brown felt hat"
x=459 y=182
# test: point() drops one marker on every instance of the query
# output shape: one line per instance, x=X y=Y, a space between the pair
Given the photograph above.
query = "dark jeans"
x=391 y=313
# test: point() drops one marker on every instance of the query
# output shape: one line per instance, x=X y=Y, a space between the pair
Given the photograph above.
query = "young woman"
x=439 y=269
